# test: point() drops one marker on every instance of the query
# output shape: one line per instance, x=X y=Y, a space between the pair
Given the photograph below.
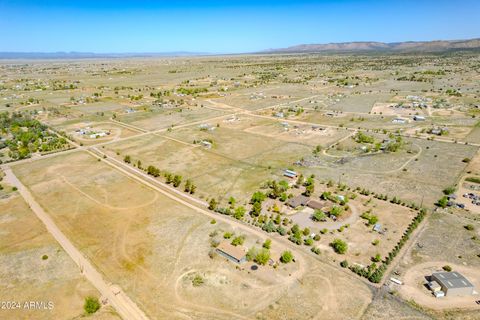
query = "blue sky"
x=226 y=26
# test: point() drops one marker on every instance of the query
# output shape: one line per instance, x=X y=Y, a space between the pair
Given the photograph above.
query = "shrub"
x=344 y=264
x=44 y=257
x=449 y=190
x=447 y=268
x=267 y=244
x=308 y=241
x=91 y=305
x=470 y=227
x=238 y=240
x=262 y=256
x=473 y=179
x=286 y=257
x=213 y=221
x=197 y=281
x=339 y=246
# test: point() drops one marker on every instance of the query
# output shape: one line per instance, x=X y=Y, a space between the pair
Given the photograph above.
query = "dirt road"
x=125 y=307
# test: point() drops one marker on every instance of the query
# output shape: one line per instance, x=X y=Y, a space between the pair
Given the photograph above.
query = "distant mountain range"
x=342 y=47
x=371 y=46
x=91 y=55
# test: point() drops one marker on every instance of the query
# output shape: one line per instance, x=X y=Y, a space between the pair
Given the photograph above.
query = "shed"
x=290 y=173
x=377 y=227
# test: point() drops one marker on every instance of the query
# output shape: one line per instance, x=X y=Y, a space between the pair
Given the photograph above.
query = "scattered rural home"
x=298 y=201
x=399 y=120
x=234 y=253
x=99 y=134
x=316 y=204
x=206 y=144
x=451 y=284
x=419 y=118
x=290 y=174
x=439 y=131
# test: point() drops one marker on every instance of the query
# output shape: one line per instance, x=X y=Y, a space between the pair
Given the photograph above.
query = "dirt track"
x=125 y=307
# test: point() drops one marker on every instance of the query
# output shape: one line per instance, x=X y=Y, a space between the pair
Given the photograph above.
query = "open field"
x=33 y=267
x=231 y=125
x=163 y=119
x=131 y=243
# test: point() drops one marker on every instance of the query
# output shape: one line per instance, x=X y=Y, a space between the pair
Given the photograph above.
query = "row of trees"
x=374 y=273
x=170 y=178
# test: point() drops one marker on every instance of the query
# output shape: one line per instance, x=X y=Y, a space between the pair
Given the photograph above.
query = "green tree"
x=319 y=215
x=286 y=257
x=339 y=246
x=256 y=209
x=443 y=202
x=267 y=244
x=177 y=180
x=239 y=213
x=238 y=240
x=212 y=205
x=127 y=159
x=257 y=197
x=188 y=185
x=262 y=256
x=91 y=305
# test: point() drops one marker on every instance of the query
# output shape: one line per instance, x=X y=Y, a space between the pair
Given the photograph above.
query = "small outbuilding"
x=290 y=174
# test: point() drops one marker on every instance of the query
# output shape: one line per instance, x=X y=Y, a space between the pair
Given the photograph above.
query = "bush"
x=286 y=257
x=267 y=244
x=91 y=305
x=344 y=264
x=442 y=202
x=447 y=268
x=197 y=281
x=308 y=241
x=44 y=257
x=238 y=240
x=470 y=227
x=473 y=179
x=262 y=256
x=339 y=246
x=449 y=190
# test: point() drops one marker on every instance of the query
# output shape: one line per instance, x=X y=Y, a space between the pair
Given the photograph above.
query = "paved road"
x=125 y=307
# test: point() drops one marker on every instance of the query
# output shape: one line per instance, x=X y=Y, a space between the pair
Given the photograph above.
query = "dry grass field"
x=152 y=247
x=230 y=124
x=33 y=267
